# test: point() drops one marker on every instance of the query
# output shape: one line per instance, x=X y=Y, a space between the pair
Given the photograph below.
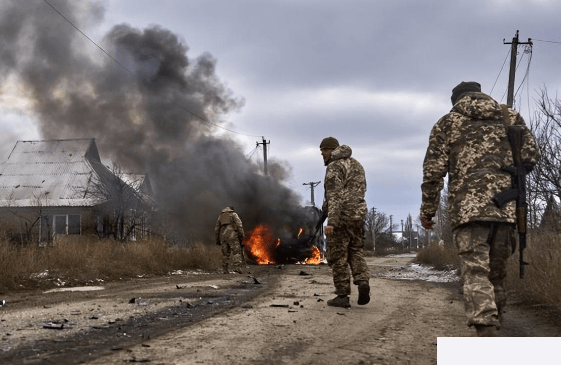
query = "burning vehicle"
x=303 y=243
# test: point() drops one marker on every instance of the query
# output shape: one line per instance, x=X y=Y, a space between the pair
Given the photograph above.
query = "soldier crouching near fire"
x=470 y=144
x=229 y=233
x=345 y=208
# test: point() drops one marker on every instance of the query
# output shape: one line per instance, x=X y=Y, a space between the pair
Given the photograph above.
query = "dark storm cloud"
x=147 y=117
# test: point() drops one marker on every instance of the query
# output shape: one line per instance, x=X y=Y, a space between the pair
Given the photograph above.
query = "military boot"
x=363 y=293
x=486 y=331
x=339 y=301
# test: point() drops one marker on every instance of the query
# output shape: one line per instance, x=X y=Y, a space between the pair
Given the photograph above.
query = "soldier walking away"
x=230 y=235
x=471 y=145
x=345 y=208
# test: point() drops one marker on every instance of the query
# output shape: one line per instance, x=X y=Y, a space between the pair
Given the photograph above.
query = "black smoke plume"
x=141 y=105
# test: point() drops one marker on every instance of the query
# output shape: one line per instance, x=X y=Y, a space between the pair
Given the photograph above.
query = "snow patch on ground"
x=77 y=288
x=415 y=271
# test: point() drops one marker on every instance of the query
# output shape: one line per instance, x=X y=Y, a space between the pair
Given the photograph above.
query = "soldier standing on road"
x=345 y=208
x=470 y=144
x=229 y=233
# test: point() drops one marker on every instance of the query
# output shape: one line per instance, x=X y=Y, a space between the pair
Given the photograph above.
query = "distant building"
x=61 y=187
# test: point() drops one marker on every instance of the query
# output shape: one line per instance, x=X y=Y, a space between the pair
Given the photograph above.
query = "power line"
x=529 y=51
x=250 y=153
x=517 y=66
x=132 y=73
x=540 y=40
x=504 y=62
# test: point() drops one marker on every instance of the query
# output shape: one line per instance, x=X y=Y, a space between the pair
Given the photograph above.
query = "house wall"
x=40 y=224
x=23 y=225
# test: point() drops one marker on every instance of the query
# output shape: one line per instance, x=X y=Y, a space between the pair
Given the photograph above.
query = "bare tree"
x=376 y=222
x=545 y=180
x=122 y=206
x=408 y=234
x=377 y=230
x=20 y=224
x=442 y=227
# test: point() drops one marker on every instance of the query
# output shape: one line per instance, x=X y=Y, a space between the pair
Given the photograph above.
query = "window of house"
x=67 y=224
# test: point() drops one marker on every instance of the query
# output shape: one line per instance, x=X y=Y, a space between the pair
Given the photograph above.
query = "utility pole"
x=374 y=228
x=410 y=234
x=513 y=52
x=418 y=238
x=312 y=186
x=264 y=143
x=391 y=223
x=402 y=236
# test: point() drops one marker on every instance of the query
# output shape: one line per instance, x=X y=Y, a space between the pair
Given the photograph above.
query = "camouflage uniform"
x=470 y=144
x=344 y=204
x=229 y=234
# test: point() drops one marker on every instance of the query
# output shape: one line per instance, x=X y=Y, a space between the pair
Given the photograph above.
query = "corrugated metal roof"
x=49 y=173
x=141 y=185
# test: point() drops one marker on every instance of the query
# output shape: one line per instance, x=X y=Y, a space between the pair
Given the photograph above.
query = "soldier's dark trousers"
x=484 y=248
x=345 y=249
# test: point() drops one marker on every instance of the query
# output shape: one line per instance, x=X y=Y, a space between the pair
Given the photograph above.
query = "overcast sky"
x=376 y=75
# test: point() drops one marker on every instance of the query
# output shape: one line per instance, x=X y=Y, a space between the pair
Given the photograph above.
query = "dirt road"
x=276 y=315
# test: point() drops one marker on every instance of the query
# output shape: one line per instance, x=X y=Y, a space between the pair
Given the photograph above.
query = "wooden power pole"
x=312 y=186
x=264 y=143
x=513 y=52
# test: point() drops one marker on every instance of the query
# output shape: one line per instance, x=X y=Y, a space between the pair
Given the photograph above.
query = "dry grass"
x=439 y=256
x=542 y=279
x=79 y=260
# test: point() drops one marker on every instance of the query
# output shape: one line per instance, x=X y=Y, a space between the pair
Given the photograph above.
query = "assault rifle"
x=318 y=227
x=517 y=191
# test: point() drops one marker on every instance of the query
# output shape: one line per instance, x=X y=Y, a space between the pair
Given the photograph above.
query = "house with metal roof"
x=61 y=187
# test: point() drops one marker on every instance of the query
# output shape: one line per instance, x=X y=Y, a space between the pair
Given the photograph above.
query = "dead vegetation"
x=80 y=260
x=542 y=280
x=440 y=256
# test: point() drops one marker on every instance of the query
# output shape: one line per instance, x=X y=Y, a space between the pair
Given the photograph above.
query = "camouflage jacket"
x=228 y=222
x=470 y=144
x=345 y=186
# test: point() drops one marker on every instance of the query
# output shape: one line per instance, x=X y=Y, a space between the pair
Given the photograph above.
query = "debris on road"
x=54 y=326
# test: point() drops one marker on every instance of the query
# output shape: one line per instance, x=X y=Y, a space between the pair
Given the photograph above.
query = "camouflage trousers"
x=484 y=248
x=345 y=249
x=231 y=250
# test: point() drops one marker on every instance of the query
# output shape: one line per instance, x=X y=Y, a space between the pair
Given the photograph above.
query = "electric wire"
x=540 y=40
x=529 y=51
x=526 y=78
x=504 y=62
x=131 y=72
x=250 y=153
x=518 y=65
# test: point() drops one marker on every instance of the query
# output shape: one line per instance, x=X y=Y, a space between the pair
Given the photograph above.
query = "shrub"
x=440 y=256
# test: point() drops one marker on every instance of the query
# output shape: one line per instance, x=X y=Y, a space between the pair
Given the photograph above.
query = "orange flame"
x=260 y=244
x=315 y=259
x=299 y=233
